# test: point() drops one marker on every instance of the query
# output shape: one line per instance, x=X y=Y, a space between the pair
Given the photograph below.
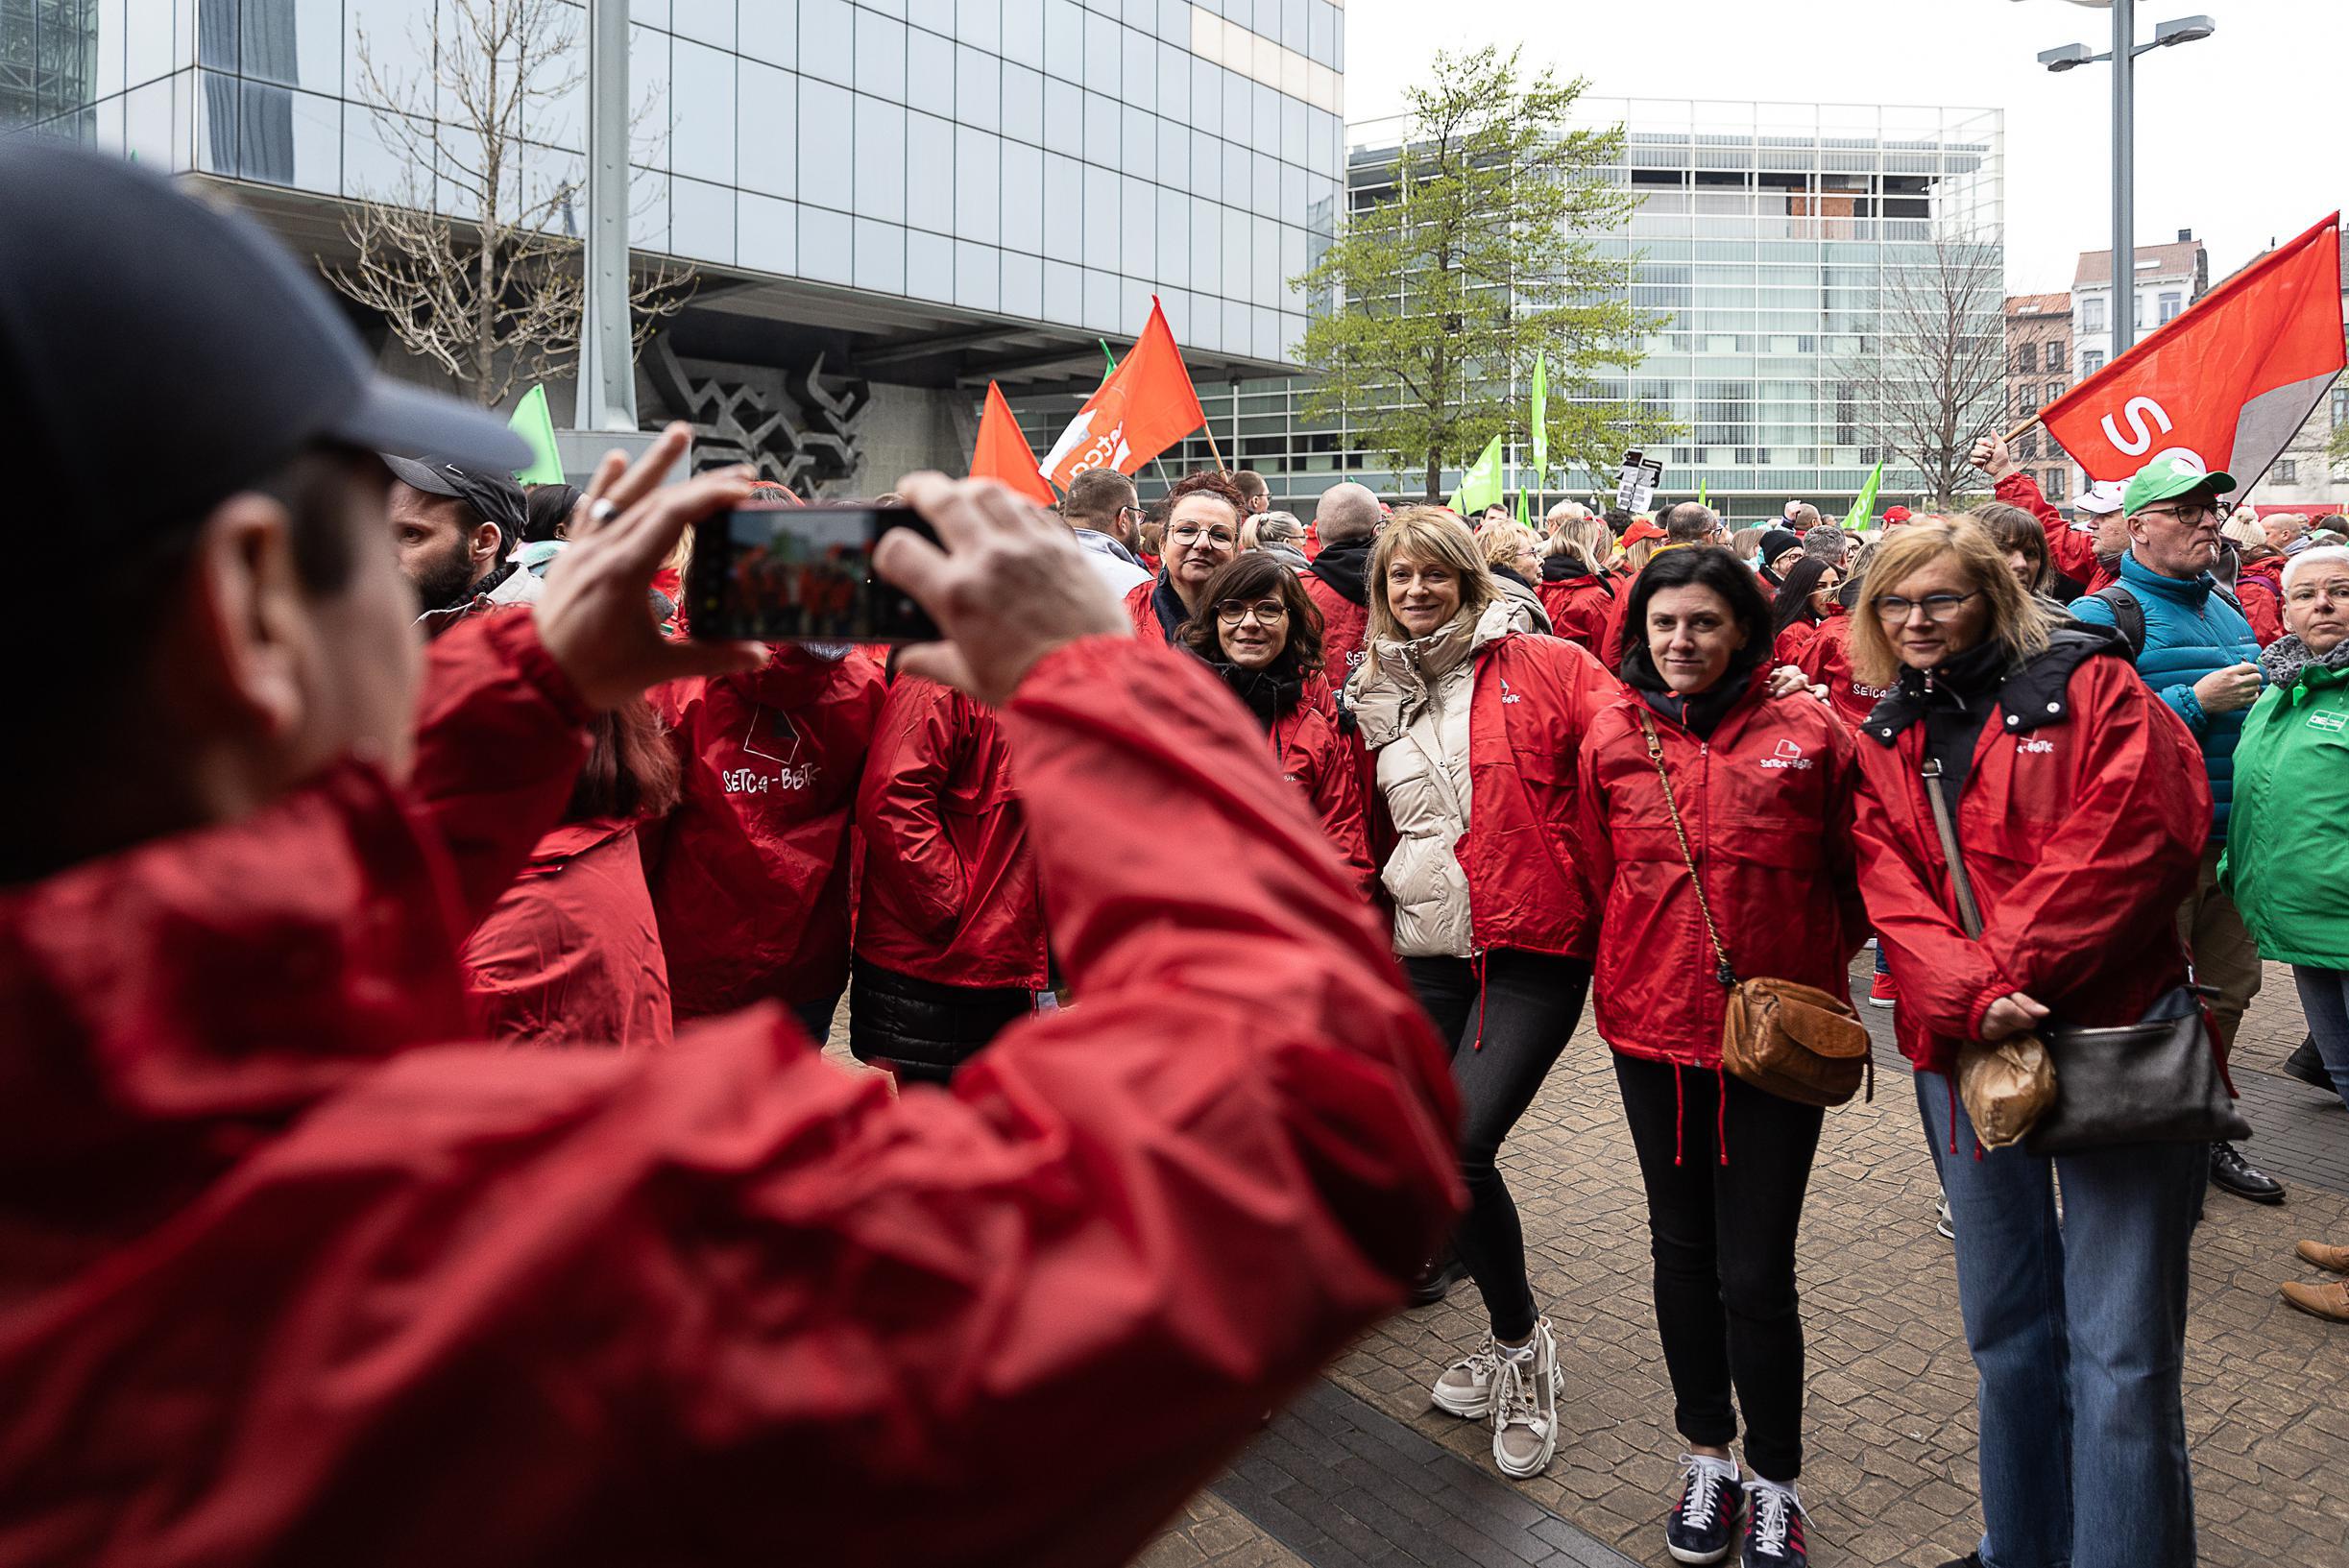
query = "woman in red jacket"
x=950 y=918
x=750 y=873
x=2080 y=807
x=1475 y=722
x=1805 y=602
x=1203 y=513
x=1761 y=788
x=571 y=952
x=1263 y=637
x=1576 y=587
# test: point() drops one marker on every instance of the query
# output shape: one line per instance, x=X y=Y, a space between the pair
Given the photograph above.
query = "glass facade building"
x=1764 y=236
x=947 y=163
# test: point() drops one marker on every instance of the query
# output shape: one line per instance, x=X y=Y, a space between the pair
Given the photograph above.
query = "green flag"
x=1863 y=508
x=1481 y=486
x=1542 y=420
x=534 y=424
x=1702 y=492
x=1522 y=522
x=1106 y=354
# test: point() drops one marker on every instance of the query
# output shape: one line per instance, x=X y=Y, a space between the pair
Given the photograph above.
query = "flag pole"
x=2019 y=429
x=1208 y=430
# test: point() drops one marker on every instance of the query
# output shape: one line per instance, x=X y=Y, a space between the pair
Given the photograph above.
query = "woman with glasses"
x=1263 y=636
x=1759 y=808
x=1474 y=721
x=2079 y=811
x=1204 y=510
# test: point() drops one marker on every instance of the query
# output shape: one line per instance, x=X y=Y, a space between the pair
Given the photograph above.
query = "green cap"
x=2166 y=478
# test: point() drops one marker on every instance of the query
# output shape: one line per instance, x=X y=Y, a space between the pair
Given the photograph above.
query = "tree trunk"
x=1434 y=476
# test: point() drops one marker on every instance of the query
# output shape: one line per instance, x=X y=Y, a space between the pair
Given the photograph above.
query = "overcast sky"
x=2242 y=137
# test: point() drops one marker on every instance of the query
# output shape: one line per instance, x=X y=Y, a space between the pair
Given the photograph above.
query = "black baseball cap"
x=158 y=354
x=492 y=496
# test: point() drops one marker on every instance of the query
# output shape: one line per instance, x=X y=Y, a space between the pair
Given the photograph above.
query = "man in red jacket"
x=283 y=1280
x=1346 y=519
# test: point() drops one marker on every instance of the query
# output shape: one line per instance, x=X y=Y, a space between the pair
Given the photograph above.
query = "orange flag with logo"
x=1146 y=406
x=1002 y=452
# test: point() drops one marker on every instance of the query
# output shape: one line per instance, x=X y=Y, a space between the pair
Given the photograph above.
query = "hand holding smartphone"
x=802 y=574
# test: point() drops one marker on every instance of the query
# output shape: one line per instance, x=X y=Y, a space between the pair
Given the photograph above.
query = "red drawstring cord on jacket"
x=1952 y=1113
x=1680 y=1115
x=1476 y=957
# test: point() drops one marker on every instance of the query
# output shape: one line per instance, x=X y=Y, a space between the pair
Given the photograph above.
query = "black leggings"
x=1524 y=1009
x=1723 y=1238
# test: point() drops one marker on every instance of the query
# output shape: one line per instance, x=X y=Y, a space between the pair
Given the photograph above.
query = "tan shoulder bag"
x=1793 y=1041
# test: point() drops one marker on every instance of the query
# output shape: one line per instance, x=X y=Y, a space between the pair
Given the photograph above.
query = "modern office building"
x=1765 y=233
x=887 y=201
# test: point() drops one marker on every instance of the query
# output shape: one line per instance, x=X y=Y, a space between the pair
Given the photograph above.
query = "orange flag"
x=1144 y=406
x=1004 y=453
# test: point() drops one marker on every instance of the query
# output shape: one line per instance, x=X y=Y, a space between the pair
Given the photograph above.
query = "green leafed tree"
x=1482 y=255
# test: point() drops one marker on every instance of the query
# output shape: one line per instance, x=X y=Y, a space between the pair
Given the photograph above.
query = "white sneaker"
x=1466 y=1387
x=1525 y=1406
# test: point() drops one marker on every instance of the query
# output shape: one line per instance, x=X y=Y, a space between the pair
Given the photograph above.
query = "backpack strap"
x=2128 y=616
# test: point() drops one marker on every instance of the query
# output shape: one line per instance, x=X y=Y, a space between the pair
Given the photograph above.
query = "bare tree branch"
x=462 y=259
x=1935 y=380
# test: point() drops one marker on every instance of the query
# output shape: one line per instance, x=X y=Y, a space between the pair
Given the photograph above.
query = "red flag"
x=2230 y=381
x=1144 y=406
x=1002 y=452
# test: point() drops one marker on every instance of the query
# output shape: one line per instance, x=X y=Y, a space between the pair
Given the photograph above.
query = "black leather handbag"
x=2154 y=1081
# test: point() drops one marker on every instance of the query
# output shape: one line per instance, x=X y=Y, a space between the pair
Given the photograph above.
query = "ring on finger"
x=600 y=510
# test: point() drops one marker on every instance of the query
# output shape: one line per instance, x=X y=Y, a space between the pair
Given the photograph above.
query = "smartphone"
x=801 y=574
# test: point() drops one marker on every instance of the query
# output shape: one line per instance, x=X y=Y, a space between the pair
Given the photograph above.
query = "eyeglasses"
x=1135 y=511
x=2190 y=512
x=1192 y=534
x=1265 y=612
x=1937 y=606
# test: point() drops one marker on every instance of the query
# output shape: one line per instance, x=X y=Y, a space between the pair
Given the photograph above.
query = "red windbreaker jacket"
x=949 y=891
x=1766 y=802
x=1325 y=763
x=1343 y=626
x=2260 y=587
x=279 y=1283
x=1825 y=659
x=572 y=953
x=1534 y=698
x=750 y=872
x=2082 y=822
x=1581 y=609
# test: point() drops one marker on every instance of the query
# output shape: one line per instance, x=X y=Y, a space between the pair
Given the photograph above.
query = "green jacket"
x=2287 y=840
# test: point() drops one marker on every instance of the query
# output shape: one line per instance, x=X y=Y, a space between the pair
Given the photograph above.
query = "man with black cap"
x=456 y=529
x=284 y=1278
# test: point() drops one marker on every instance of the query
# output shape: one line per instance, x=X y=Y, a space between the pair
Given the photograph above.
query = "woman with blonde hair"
x=2079 y=808
x=1512 y=554
x=1576 y=586
x=1473 y=720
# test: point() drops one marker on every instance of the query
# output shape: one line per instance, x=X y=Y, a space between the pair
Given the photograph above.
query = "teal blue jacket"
x=2189 y=632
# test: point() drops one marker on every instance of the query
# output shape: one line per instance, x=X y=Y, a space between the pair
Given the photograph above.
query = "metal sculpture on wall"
x=797 y=426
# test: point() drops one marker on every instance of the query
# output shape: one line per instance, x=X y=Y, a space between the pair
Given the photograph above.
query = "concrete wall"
x=905 y=428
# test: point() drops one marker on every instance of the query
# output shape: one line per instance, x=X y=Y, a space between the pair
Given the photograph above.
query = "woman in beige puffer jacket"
x=1475 y=719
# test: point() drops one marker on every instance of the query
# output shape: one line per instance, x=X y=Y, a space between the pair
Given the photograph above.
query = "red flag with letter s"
x=1146 y=406
x=1002 y=451
x=2230 y=381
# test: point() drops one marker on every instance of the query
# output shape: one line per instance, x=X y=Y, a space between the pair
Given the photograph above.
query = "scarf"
x=1167 y=605
x=1267 y=693
x=1345 y=567
x=2286 y=661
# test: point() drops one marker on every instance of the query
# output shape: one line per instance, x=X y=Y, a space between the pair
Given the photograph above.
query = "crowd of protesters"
x=1201 y=1064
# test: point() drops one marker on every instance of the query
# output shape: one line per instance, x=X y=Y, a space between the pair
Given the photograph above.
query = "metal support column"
x=606 y=356
x=2125 y=176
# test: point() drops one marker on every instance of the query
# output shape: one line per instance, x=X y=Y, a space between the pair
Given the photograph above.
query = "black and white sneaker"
x=1704 y=1523
x=1774 y=1527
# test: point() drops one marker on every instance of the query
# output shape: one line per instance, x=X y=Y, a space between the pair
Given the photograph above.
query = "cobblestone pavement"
x=1889 y=1476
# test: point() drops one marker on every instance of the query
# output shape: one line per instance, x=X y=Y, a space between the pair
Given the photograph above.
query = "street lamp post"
x=607 y=358
x=2123 y=56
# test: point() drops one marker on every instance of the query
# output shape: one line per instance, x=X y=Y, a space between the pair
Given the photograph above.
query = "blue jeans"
x=2077 y=1331
x=2324 y=996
